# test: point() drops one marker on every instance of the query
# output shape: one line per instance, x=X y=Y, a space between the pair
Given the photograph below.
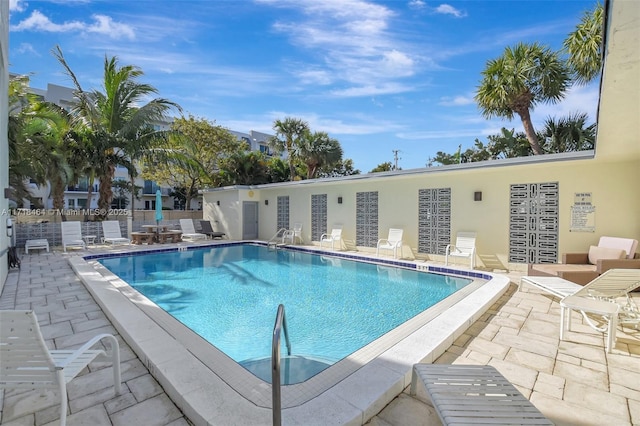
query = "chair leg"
x=63 y=397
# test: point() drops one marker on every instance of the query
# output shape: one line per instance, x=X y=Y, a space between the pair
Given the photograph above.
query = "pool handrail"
x=276 y=394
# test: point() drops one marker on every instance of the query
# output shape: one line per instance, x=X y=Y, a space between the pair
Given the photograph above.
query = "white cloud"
x=456 y=100
x=17 y=5
x=102 y=25
x=372 y=90
x=446 y=9
x=27 y=48
x=417 y=4
x=353 y=44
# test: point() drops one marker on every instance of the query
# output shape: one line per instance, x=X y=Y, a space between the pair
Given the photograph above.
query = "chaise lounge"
x=581 y=268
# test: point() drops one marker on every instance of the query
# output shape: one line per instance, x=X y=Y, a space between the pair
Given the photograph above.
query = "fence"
x=43 y=228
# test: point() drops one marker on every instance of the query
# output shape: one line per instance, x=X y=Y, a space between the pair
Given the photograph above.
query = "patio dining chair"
x=465 y=246
x=28 y=364
x=334 y=237
x=392 y=242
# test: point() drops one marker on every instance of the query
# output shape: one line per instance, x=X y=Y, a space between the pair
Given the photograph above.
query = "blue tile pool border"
x=397 y=263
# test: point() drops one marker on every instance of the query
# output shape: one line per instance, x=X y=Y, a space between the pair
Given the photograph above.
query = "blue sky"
x=376 y=75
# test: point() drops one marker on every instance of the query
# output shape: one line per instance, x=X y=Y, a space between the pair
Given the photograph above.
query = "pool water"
x=229 y=295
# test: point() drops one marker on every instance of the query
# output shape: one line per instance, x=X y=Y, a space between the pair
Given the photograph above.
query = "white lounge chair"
x=189 y=231
x=333 y=238
x=465 y=246
x=474 y=394
x=72 y=235
x=28 y=364
x=608 y=287
x=112 y=235
x=392 y=242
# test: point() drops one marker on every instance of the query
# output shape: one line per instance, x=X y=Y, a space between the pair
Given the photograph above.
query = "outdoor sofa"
x=581 y=268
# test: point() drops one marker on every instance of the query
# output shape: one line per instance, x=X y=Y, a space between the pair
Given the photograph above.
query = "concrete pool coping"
x=208 y=398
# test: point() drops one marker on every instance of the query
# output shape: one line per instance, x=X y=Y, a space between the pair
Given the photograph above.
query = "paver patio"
x=571 y=382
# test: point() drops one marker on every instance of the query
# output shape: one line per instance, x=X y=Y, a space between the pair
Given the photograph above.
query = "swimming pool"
x=211 y=388
x=334 y=307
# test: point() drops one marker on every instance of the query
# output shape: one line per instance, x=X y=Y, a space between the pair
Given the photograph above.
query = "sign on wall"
x=583 y=213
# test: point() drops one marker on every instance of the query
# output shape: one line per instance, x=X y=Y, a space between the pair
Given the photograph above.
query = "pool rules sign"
x=583 y=213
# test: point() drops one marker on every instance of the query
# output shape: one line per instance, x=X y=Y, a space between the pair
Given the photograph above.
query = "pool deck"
x=571 y=382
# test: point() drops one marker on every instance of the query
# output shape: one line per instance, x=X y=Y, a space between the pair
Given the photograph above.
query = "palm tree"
x=569 y=133
x=289 y=133
x=115 y=119
x=524 y=76
x=317 y=150
x=584 y=46
x=37 y=135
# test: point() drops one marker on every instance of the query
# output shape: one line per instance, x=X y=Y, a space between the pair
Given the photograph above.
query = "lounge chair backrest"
x=206 y=226
x=466 y=242
x=22 y=346
x=111 y=229
x=629 y=245
x=187 y=226
x=336 y=233
x=71 y=231
x=613 y=283
x=297 y=230
x=395 y=235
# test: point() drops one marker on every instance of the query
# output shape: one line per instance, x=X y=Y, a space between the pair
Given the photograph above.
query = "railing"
x=281 y=324
x=273 y=241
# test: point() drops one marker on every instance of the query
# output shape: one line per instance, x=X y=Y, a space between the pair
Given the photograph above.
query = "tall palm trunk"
x=105 y=191
x=525 y=116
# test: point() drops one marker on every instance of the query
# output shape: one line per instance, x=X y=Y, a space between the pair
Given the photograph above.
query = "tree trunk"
x=91 y=182
x=57 y=193
x=292 y=169
x=525 y=116
x=133 y=194
x=106 y=193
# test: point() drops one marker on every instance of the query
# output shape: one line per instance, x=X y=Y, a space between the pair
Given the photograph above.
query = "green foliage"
x=190 y=156
x=516 y=82
x=115 y=119
x=341 y=168
x=584 y=46
x=383 y=167
x=570 y=133
x=318 y=150
x=289 y=134
x=244 y=168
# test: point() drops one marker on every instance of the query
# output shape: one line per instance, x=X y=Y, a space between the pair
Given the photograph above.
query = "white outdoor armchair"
x=465 y=246
x=334 y=237
x=393 y=242
x=28 y=364
x=294 y=234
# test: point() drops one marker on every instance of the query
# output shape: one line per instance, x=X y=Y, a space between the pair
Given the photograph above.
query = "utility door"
x=249 y=220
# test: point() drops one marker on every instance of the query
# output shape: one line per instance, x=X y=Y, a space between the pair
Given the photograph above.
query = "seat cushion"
x=596 y=253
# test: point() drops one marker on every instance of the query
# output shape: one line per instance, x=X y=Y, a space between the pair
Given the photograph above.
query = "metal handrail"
x=281 y=324
x=276 y=236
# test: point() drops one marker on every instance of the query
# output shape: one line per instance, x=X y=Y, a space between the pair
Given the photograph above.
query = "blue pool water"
x=229 y=295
